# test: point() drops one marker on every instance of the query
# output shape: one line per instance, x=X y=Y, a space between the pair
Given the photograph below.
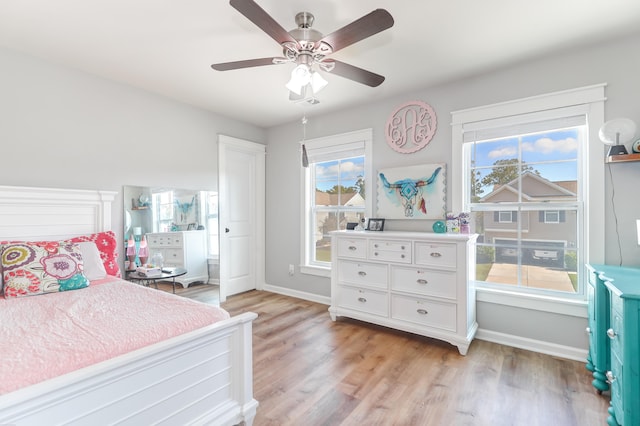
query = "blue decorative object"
x=439 y=227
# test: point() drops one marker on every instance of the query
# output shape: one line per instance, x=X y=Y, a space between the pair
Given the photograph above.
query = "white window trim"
x=592 y=98
x=365 y=135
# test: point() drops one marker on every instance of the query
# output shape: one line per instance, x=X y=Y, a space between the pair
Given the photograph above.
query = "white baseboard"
x=325 y=300
x=214 y=281
x=553 y=349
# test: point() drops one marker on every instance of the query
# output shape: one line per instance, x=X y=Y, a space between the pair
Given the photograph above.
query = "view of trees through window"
x=339 y=199
x=524 y=200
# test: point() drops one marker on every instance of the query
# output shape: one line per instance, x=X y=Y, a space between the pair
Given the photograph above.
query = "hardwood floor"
x=309 y=370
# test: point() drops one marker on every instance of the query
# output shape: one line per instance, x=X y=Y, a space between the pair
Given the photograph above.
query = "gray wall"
x=64 y=128
x=616 y=63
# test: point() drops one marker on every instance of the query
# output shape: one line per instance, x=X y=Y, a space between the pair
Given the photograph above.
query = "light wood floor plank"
x=311 y=371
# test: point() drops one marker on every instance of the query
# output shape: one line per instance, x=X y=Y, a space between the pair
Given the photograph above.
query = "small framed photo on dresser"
x=375 y=224
x=192 y=227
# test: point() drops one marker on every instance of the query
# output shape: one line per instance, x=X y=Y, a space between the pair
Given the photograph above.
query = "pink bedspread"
x=45 y=336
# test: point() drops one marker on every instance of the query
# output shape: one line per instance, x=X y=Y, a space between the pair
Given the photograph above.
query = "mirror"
x=159 y=209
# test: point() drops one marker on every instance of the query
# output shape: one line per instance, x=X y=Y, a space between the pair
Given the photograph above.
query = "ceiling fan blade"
x=227 y=66
x=373 y=23
x=356 y=74
x=263 y=20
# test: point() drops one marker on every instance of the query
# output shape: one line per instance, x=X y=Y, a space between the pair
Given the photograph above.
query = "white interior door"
x=241 y=172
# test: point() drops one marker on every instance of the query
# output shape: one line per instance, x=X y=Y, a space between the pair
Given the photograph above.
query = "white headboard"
x=30 y=214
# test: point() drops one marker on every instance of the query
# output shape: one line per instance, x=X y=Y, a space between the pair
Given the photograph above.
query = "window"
x=551 y=216
x=163 y=211
x=505 y=217
x=528 y=164
x=336 y=191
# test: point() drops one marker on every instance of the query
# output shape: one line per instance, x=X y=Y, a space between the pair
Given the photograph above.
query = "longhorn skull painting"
x=414 y=192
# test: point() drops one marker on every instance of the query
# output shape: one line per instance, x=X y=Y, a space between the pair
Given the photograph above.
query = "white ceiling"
x=167 y=46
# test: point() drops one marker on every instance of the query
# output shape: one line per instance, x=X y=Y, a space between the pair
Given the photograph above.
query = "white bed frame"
x=203 y=377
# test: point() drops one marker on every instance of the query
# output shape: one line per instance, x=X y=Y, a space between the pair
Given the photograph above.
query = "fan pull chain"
x=305 y=159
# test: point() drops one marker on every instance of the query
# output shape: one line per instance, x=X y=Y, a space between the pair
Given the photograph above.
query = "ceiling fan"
x=306 y=47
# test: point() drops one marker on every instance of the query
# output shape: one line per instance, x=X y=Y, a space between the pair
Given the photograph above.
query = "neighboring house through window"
x=337 y=186
x=526 y=171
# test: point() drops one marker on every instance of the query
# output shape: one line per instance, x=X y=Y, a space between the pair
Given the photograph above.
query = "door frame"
x=259 y=219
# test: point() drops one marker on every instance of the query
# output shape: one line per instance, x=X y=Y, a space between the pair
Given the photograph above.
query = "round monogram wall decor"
x=411 y=127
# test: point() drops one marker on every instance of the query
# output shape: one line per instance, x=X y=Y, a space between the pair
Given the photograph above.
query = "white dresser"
x=413 y=281
x=184 y=249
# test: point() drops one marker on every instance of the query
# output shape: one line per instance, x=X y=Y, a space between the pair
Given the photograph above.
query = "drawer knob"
x=352 y=248
x=362 y=300
x=402 y=256
x=436 y=254
x=422 y=281
x=422 y=311
x=375 y=254
x=612 y=334
x=362 y=273
x=610 y=377
x=402 y=247
x=588 y=330
x=375 y=245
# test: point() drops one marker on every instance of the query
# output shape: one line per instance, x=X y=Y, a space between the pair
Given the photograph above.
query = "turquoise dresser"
x=623 y=332
x=599 y=358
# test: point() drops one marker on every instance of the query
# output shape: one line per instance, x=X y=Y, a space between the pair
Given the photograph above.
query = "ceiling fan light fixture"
x=300 y=77
x=317 y=82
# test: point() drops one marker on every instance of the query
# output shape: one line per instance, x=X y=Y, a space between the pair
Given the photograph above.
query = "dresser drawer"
x=616 y=333
x=424 y=281
x=424 y=312
x=436 y=254
x=172 y=257
x=362 y=273
x=165 y=240
x=617 y=387
x=390 y=251
x=352 y=247
x=363 y=300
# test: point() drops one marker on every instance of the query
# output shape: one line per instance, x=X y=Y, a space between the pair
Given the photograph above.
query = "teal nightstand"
x=599 y=358
x=623 y=286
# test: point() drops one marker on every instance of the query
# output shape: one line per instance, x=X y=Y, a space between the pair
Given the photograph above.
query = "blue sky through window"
x=339 y=172
x=554 y=154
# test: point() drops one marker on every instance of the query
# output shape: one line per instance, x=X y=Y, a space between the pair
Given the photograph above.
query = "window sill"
x=315 y=270
x=576 y=307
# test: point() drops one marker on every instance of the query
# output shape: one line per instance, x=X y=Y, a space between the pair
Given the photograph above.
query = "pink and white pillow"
x=106 y=244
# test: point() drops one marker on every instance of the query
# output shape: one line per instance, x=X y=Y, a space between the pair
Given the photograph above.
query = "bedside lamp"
x=616 y=133
x=131 y=252
x=143 y=251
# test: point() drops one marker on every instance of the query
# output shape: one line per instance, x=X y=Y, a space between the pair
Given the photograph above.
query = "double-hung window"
x=530 y=173
x=337 y=186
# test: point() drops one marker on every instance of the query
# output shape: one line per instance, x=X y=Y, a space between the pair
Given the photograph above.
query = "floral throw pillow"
x=106 y=243
x=31 y=268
